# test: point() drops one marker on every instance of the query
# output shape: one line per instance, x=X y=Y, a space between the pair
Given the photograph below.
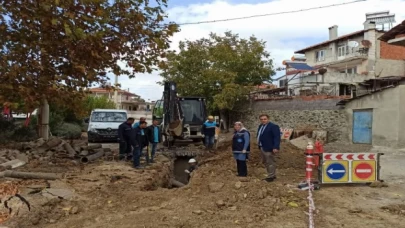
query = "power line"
x=271 y=14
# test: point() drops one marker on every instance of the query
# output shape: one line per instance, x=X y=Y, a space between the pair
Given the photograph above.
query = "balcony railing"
x=351 y=52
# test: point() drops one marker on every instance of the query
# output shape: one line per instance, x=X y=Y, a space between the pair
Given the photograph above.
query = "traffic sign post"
x=350 y=167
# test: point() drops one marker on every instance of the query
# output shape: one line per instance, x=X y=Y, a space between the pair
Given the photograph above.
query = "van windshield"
x=108 y=117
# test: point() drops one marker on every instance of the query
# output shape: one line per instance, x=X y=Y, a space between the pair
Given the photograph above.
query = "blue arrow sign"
x=335 y=171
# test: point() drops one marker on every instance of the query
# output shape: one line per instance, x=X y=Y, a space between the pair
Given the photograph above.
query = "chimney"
x=369 y=25
x=333 y=32
x=128 y=89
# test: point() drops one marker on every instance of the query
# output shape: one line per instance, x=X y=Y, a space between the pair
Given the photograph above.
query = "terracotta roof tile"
x=302 y=51
x=391 y=34
x=120 y=91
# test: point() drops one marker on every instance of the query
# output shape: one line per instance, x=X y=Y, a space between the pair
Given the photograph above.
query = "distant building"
x=126 y=100
x=348 y=60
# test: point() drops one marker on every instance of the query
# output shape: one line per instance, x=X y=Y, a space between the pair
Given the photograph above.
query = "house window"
x=345 y=90
x=352 y=70
x=282 y=83
x=342 y=50
x=320 y=55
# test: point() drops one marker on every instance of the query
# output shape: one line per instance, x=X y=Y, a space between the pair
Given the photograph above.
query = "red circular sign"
x=363 y=170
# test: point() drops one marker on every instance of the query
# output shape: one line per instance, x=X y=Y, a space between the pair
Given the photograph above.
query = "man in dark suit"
x=138 y=140
x=124 y=132
x=268 y=140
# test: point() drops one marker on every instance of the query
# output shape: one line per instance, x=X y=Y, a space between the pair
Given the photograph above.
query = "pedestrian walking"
x=241 y=148
x=154 y=136
x=208 y=130
x=138 y=141
x=124 y=132
x=268 y=140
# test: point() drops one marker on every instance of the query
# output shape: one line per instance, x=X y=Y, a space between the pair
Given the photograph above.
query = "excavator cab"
x=195 y=114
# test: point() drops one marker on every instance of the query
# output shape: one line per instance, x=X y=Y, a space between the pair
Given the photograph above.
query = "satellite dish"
x=353 y=44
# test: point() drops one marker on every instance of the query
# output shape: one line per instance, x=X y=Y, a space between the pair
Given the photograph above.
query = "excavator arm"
x=173 y=114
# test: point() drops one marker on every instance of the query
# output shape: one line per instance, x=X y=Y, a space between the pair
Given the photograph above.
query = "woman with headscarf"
x=241 y=148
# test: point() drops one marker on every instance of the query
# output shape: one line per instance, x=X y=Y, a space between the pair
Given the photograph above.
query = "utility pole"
x=116 y=92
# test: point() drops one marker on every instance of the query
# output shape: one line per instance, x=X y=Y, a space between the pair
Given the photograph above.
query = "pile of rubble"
x=52 y=151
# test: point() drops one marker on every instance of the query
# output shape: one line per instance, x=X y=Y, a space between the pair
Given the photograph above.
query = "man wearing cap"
x=208 y=130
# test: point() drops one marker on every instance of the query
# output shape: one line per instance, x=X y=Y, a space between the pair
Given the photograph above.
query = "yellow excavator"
x=181 y=118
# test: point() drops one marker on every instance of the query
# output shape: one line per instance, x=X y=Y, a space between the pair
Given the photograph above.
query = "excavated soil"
x=112 y=194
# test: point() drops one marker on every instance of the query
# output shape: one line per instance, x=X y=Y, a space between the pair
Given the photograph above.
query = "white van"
x=103 y=125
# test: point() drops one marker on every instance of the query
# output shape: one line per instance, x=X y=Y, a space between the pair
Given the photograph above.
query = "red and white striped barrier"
x=349 y=156
x=309 y=164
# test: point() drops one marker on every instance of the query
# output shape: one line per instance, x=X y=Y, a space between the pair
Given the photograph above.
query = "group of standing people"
x=268 y=140
x=135 y=137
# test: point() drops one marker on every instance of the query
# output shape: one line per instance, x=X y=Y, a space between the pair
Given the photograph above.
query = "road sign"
x=335 y=172
x=350 y=167
x=350 y=156
x=286 y=133
x=364 y=171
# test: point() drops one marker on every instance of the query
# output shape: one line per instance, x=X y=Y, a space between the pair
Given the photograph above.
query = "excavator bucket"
x=176 y=127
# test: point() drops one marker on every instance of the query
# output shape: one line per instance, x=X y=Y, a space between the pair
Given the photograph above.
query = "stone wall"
x=301 y=114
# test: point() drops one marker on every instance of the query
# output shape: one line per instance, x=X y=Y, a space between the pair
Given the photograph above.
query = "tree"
x=221 y=68
x=51 y=50
x=93 y=102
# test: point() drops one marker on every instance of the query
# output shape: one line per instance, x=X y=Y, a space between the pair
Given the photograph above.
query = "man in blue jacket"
x=268 y=140
x=208 y=130
x=154 y=135
x=137 y=123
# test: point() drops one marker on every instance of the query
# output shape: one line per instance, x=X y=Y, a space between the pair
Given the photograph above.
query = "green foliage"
x=55 y=121
x=93 y=102
x=220 y=68
x=10 y=131
x=23 y=134
x=52 y=50
x=5 y=125
x=59 y=115
x=68 y=130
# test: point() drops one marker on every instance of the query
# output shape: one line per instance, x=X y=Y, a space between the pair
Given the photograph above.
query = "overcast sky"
x=284 y=34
